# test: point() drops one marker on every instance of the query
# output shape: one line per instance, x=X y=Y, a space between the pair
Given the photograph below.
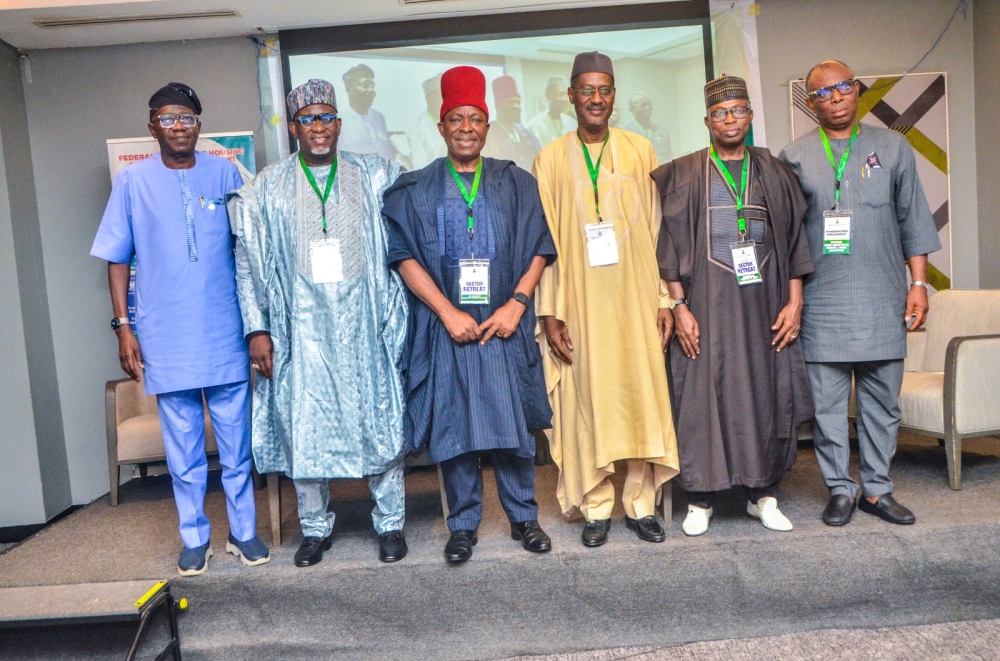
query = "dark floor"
x=738 y=581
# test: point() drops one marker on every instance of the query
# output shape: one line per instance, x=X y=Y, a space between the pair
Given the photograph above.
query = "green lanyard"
x=732 y=184
x=838 y=169
x=323 y=197
x=470 y=197
x=594 y=169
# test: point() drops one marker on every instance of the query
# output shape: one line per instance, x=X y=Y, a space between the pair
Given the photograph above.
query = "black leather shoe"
x=531 y=536
x=889 y=510
x=647 y=528
x=596 y=532
x=392 y=546
x=459 y=547
x=839 y=510
x=311 y=550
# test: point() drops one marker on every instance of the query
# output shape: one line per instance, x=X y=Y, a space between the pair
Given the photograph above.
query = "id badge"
x=745 y=262
x=327 y=263
x=474 y=282
x=837 y=232
x=602 y=247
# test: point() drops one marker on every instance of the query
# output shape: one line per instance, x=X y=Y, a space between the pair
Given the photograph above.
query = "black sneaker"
x=311 y=550
x=392 y=546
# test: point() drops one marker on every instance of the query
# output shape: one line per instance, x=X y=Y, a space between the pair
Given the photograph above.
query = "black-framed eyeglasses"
x=845 y=87
x=739 y=112
x=307 y=121
x=168 y=121
x=588 y=92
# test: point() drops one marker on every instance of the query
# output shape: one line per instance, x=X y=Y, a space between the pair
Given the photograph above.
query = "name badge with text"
x=745 y=263
x=837 y=232
x=602 y=246
x=327 y=263
x=474 y=282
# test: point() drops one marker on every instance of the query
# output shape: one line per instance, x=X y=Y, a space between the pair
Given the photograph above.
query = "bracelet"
x=921 y=283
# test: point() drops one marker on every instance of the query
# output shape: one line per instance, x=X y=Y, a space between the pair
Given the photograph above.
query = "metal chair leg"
x=444 y=496
x=953 y=448
x=667 y=501
x=274 y=500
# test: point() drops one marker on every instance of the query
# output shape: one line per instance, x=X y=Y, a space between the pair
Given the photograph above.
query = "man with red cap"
x=468 y=236
x=513 y=141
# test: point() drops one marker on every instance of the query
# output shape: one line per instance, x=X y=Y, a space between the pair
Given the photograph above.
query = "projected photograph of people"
x=389 y=99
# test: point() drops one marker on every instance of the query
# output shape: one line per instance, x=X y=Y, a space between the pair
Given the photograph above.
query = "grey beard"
x=321 y=152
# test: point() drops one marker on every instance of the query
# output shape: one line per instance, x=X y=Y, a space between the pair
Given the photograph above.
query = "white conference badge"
x=745 y=262
x=602 y=246
x=327 y=263
x=837 y=232
x=474 y=282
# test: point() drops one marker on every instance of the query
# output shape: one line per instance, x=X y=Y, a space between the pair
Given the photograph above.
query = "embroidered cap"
x=725 y=88
x=308 y=93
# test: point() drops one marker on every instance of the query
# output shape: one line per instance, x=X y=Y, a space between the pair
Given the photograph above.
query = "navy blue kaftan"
x=470 y=397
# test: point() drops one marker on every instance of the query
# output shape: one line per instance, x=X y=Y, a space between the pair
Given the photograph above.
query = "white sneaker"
x=767 y=511
x=696 y=521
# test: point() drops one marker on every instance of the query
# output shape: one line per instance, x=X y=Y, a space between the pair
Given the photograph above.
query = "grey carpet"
x=954 y=641
x=738 y=581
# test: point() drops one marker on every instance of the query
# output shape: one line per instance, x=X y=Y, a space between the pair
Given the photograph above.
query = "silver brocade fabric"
x=334 y=407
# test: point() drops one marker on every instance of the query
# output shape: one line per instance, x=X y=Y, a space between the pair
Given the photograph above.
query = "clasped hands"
x=463 y=328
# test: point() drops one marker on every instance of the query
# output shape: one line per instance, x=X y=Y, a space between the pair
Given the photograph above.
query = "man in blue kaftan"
x=469 y=238
x=326 y=320
x=168 y=212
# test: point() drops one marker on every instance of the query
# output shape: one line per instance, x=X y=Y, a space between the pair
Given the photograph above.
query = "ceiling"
x=18 y=17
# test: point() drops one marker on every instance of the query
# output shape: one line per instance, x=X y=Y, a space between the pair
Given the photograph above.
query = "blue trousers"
x=463 y=486
x=877 y=385
x=182 y=417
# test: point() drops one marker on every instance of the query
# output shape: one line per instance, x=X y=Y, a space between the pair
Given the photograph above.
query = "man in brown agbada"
x=739 y=381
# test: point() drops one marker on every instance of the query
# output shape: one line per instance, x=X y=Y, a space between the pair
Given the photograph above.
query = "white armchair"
x=952 y=381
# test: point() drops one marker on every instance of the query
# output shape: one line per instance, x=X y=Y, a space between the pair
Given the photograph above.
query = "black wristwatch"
x=118 y=322
x=521 y=298
x=680 y=301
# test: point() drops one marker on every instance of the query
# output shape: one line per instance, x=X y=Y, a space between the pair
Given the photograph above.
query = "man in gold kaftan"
x=605 y=322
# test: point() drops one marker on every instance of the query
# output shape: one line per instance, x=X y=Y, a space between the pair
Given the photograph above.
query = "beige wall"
x=986 y=26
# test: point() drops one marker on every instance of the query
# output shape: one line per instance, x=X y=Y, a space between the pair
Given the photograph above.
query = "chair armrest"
x=916 y=346
x=971 y=384
x=128 y=396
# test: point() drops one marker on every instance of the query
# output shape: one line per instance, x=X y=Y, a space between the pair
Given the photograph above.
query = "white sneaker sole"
x=197 y=572
x=235 y=550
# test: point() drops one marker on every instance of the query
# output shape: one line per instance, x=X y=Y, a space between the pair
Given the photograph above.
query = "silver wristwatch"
x=920 y=283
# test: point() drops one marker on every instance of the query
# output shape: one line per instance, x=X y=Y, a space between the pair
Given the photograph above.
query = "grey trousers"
x=388 y=492
x=877 y=386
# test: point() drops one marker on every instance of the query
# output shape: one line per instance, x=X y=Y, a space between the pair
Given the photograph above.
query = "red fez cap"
x=463 y=86
x=504 y=87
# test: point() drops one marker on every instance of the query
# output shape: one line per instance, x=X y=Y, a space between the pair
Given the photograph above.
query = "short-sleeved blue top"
x=176 y=225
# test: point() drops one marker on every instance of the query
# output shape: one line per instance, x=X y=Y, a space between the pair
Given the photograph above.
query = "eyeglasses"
x=739 y=112
x=168 y=121
x=845 y=87
x=307 y=121
x=588 y=92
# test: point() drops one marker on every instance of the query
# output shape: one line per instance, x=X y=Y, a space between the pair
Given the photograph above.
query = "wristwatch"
x=680 y=301
x=919 y=282
x=521 y=298
x=118 y=322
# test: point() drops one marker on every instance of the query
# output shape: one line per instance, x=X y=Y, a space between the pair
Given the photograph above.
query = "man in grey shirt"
x=867 y=217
